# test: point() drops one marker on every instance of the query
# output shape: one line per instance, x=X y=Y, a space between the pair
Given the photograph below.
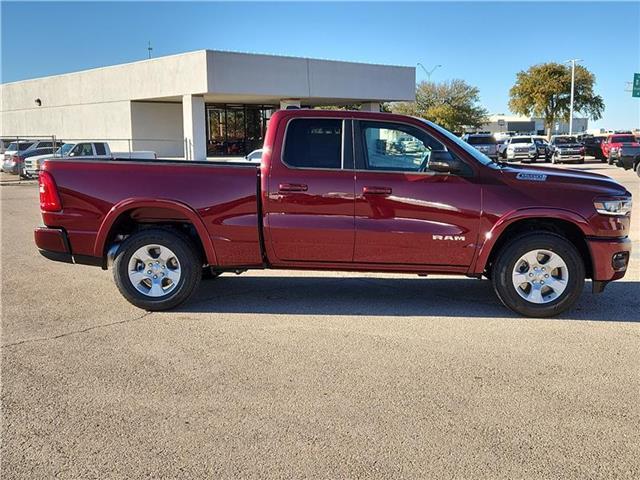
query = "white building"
x=521 y=124
x=196 y=104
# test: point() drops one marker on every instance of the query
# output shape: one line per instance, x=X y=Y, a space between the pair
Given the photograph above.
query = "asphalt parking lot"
x=296 y=375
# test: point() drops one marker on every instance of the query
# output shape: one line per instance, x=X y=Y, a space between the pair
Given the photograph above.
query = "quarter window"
x=313 y=143
x=100 y=150
x=394 y=147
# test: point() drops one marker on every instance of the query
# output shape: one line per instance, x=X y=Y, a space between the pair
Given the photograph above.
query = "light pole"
x=573 y=81
x=429 y=72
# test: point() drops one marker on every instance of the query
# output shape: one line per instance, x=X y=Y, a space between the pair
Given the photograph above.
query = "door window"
x=313 y=143
x=396 y=147
x=82 y=150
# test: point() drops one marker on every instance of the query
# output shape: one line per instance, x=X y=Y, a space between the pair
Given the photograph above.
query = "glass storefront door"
x=236 y=130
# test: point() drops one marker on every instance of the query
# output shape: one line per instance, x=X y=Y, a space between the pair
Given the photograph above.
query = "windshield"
x=64 y=149
x=19 y=146
x=539 y=141
x=481 y=157
x=623 y=139
x=481 y=140
x=521 y=140
x=565 y=140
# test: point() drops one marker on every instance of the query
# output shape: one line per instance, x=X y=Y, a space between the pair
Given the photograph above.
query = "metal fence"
x=121 y=147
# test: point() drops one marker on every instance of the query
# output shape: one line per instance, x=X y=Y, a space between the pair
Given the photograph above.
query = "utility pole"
x=429 y=72
x=149 y=48
x=573 y=81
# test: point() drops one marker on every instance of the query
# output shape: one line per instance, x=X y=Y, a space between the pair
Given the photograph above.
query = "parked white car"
x=255 y=156
x=89 y=150
x=32 y=165
x=517 y=147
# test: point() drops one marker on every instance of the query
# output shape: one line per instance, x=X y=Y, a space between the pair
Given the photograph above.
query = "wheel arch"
x=568 y=224
x=153 y=212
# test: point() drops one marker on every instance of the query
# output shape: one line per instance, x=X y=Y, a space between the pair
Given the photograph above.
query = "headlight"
x=618 y=206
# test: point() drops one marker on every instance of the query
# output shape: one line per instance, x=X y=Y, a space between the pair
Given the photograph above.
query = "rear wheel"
x=157 y=269
x=539 y=275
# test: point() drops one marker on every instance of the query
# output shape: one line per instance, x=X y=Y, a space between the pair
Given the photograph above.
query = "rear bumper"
x=53 y=244
x=610 y=257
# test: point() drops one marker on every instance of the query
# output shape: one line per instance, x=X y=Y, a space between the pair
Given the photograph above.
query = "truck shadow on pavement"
x=373 y=296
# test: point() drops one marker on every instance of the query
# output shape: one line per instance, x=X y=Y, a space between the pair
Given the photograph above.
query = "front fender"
x=492 y=237
x=132 y=203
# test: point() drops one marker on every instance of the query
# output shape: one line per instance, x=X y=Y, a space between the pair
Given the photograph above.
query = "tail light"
x=49 y=198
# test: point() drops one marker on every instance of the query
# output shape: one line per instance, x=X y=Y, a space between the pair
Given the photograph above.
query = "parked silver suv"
x=484 y=142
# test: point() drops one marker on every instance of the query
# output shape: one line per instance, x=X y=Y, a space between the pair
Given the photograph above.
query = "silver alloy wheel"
x=154 y=270
x=540 y=276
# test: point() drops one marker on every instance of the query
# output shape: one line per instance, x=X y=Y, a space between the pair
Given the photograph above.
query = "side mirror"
x=442 y=161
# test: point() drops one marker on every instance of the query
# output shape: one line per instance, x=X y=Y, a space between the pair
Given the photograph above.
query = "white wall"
x=161 y=77
x=291 y=77
x=158 y=127
x=73 y=122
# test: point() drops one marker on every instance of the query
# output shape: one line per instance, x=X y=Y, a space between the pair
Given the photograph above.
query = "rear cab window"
x=100 y=150
x=481 y=140
x=314 y=143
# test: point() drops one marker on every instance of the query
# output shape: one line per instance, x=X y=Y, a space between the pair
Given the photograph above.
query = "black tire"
x=638 y=169
x=208 y=273
x=185 y=253
x=506 y=262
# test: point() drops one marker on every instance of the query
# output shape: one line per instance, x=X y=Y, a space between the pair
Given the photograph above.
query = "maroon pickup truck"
x=337 y=190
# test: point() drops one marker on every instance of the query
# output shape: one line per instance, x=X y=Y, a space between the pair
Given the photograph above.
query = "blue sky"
x=484 y=43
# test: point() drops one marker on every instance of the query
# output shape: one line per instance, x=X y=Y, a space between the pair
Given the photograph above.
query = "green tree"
x=544 y=90
x=452 y=104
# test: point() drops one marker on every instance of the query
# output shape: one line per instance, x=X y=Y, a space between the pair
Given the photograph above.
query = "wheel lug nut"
x=149 y=272
x=155 y=276
x=546 y=275
x=531 y=274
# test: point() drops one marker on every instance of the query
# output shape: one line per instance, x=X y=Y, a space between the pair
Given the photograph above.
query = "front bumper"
x=516 y=155
x=53 y=244
x=609 y=257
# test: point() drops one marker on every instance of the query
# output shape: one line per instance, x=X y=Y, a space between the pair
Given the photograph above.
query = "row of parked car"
x=25 y=157
x=559 y=149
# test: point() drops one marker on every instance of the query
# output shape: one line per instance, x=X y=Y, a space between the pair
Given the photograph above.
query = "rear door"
x=309 y=211
x=405 y=212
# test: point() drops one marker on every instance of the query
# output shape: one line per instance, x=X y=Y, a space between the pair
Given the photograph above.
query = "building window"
x=236 y=130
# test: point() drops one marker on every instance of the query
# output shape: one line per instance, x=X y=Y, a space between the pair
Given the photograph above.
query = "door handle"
x=292 y=187
x=376 y=190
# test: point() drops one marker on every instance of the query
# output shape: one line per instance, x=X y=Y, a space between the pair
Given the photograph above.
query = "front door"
x=310 y=206
x=405 y=212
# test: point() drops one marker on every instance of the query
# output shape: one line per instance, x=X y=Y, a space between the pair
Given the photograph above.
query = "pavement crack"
x=74 y=332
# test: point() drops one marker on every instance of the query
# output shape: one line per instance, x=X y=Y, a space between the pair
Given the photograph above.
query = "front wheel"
x=157 y=269
x=539 y=275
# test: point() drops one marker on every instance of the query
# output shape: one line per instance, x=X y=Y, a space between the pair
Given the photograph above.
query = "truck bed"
x=222 y=194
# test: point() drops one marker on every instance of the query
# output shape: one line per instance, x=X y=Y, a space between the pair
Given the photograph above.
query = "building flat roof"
x=220 y=76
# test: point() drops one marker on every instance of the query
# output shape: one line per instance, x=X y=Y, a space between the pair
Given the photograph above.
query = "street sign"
x=636 y=85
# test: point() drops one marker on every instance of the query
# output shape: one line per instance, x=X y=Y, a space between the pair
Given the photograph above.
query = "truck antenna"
x=149 y=48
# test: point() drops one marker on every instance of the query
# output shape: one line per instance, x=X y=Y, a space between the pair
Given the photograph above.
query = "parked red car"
x=337 y=190
x=614 y=142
